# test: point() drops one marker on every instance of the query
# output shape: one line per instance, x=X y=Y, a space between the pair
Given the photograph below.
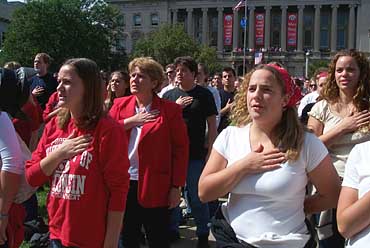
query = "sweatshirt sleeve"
x=114 y=160
x=180 y=147
x=34 y=175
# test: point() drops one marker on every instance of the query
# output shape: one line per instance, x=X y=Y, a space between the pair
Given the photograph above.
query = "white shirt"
x=217 y=98
x=357 y=176
x=165 y=89
x=266 y=209
x=307 y=99
x=11 y=159
x=133 y=145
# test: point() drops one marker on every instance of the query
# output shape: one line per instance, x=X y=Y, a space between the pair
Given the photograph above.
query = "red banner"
x=260 y=28
x=292 y=29
x=228 y=29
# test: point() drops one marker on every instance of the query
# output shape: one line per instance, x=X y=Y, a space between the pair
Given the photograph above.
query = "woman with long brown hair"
x=88 y=180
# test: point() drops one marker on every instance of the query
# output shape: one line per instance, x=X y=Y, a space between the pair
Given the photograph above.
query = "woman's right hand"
x=74 y=145
x=259 y=160
x=354 y=121
x=143 y=117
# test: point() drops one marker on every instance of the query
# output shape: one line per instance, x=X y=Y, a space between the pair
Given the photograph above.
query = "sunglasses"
x=170 y=72
x=313 y=85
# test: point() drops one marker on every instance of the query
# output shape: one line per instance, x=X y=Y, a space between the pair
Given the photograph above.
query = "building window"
x=308 y=30
x=121 y=20
x=276 y=29
x=324 y=30
x=137 y=20
x=213 y=31
x=154 y=19
x=342 y=31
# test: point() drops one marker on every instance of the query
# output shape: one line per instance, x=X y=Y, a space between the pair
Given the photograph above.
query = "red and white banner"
x=292 y=29
x=228 y=29
x=259 y=28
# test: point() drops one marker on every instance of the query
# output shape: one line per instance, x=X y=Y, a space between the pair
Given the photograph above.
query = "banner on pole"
x=259 y=28
x=228 y=29
x=292 y=29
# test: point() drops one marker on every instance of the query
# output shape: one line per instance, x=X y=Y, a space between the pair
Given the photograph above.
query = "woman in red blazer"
x=158 y=152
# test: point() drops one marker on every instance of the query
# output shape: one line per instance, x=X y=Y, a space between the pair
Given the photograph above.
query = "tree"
x=171 y=41
x=64 y=29
x=208 y=56
x=312 y=67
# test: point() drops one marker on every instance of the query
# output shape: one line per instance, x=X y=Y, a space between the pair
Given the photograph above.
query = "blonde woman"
x=263 y=164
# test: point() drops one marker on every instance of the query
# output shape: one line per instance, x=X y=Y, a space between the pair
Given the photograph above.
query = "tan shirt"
x=341 y=147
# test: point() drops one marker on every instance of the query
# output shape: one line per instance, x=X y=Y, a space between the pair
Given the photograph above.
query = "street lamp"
x=308 y=54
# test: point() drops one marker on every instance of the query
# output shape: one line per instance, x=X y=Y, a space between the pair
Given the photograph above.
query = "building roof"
x=7 y=9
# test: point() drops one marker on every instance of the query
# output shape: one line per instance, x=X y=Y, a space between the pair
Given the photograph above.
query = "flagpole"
x=245 y=35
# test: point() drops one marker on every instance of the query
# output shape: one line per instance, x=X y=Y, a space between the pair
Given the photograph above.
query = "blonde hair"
x=289 y=132
x=151 y=67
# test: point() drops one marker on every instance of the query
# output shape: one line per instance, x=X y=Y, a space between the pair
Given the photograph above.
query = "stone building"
x=292 y=32
x=6 y=11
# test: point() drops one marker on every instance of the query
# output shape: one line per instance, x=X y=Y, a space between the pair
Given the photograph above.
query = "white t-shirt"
x=266 y=209
x=11 y=159
x=357 y=176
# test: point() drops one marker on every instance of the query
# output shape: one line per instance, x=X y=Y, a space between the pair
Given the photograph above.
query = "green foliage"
x=171 y=41
x=63 y=29
x=208 y=56
x=312 y=67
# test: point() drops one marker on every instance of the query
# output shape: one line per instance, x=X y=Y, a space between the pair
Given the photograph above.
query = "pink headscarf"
x=292 y=90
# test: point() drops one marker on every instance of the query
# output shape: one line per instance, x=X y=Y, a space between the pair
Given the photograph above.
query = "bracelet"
x=4 y=216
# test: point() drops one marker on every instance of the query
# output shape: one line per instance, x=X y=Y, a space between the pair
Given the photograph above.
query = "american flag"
x=240 y=4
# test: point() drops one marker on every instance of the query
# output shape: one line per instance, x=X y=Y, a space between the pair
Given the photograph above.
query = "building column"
x=174 y=20
x=316 y=42
x=351 y=27
x=220 y=30
x=283 y=27
x=300 y=28
x=235 y=30
x=204 y=26
x=251 y=27
x=333 y=33
x=190 y=22
x=267 y=26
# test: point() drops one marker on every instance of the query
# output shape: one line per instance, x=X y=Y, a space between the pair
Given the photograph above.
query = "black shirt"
x=224 y=120
x=195 y=116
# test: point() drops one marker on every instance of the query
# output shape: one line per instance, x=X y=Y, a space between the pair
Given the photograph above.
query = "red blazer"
x=163 y=149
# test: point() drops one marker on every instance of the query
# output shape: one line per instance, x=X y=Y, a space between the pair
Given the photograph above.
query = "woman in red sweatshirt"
x=88 y=178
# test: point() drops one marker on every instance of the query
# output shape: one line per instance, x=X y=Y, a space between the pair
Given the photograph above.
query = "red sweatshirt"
x=84 y=188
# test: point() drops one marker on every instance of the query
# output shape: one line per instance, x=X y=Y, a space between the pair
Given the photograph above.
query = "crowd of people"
x=121 y=152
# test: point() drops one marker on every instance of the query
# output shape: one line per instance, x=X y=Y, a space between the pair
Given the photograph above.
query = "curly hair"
x=289 y=132
x=330 y=91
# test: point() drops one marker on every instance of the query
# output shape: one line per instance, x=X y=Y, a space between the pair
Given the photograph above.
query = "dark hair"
x=229 y=69
x=45 y=57
x=93 y=108
x=189 y=62
x=112 y=95
x=14 y=92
